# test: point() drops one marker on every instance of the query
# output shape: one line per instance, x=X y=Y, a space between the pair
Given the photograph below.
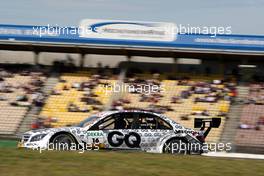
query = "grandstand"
x=62 y=93
x=250 y=132
x=75 y=97
x=182 y=100
x=18 y=92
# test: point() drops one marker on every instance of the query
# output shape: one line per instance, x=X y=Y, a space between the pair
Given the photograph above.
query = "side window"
x=163 y=125
x=149 y=121
x=115 y=121
x=106 y=123
x=126 y=119
x=131 y=120
x=144 y=121
x=123 y=120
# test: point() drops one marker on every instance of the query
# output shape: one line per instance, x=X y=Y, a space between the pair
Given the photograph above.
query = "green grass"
x=8 y=143
x=26 y=162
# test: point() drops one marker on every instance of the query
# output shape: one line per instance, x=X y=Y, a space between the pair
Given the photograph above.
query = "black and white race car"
x=124 y=130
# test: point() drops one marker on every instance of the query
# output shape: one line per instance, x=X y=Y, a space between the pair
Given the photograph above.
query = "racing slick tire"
x=62 y=141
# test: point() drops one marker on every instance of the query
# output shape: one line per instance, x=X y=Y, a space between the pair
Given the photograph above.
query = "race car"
x=124 y=130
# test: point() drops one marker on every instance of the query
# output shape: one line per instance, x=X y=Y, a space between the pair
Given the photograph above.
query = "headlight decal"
x=37 y=137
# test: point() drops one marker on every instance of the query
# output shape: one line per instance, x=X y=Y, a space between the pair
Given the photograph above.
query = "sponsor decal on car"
x=95 y=133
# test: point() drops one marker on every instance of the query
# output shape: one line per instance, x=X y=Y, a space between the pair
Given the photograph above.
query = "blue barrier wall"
x=70 y=35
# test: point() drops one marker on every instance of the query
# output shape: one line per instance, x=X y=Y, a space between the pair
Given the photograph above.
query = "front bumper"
x=32 y=145
x=41 y=144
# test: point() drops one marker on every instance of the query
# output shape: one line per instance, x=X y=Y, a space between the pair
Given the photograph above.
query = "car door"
x=122 y=136
x=114 y=132
x=151 y=128
x=95 y=137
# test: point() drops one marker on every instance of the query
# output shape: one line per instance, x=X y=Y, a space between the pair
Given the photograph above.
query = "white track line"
x=234 y=155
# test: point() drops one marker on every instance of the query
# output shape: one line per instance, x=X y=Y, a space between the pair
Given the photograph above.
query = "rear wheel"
x=176 y=146
x=62 y=142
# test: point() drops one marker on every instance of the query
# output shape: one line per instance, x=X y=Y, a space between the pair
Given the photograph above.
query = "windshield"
x=87 y=121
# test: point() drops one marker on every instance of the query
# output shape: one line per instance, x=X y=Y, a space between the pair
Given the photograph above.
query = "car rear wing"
x=207 y=122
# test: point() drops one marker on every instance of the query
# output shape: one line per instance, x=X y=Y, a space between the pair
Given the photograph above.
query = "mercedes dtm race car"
x=137 y=130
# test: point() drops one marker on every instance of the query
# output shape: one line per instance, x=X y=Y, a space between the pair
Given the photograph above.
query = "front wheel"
x=62 y=142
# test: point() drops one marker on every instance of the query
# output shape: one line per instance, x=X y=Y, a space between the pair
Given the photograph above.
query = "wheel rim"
x=62 y=142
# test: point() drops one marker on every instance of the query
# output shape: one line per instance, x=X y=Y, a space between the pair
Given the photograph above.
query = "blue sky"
x=244 y=16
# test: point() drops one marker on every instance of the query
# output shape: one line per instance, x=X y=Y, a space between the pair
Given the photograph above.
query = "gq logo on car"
x=120 y=138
